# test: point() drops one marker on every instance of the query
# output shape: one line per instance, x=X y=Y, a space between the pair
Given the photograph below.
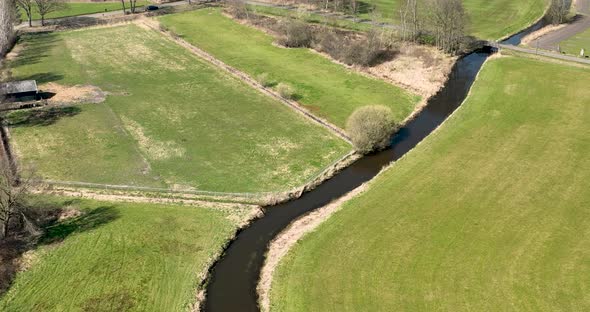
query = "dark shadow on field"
x=364 y=7
x=41 y=117
x=56 y=222
x=87 y=221
x=42 y=78
x=36 y=47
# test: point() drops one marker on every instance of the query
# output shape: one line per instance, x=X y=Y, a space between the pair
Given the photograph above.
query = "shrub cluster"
x=286 y=91
x=368 y=50
x=370 y=128
x=295 y=34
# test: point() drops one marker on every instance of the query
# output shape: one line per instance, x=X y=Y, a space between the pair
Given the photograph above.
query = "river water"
x=233 y=280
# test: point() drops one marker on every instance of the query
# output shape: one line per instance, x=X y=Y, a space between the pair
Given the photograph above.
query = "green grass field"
x=328 y=89
x=489 y=213
x=574 y=44
x=489 y=19
x=120 y=257
x=170 y=120
x=81 y=8
x=309 y=18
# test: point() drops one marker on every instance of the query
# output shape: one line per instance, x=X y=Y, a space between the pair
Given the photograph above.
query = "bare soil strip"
x=154 y=25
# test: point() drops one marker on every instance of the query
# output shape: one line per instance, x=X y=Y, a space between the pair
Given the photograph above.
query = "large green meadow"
x=489 y=213
x=488 y=19
x=120 y=257
x=169 y=120
x=327 y=89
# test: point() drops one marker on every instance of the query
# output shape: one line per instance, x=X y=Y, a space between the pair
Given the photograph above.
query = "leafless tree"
x=123 y=4
x=447 y=21
x=409 y=20
x=238 y=8
x=13 y=192
x=27 y=7
x=133 y=6
x=7 y=18
x=45 y=7
x=558 y=11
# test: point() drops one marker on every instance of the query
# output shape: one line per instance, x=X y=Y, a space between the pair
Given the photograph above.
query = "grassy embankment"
x=121 y=257
x=81 y=8
x=488 y=213
x=170 y=119
x=574 y=44
x=488 y=19
x=329 y=90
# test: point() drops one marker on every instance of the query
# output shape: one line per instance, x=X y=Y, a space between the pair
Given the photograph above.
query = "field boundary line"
x=260 y=198
x=247 y=79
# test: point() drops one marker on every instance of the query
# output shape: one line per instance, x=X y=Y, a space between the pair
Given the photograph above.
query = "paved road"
x=551 y=40
x=100 y=15
x=550 y=54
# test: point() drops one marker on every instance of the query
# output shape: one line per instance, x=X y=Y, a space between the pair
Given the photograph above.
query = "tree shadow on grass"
x=42 y=78
x=40 y=117
x=14 y=248
x=95 y=218
x=36 y=47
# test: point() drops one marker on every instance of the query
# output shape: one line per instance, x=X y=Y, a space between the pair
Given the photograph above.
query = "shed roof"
x=15 y=87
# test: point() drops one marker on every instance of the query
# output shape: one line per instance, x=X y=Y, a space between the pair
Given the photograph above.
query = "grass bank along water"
x=234 y=278
x=502 y=209
x=122 y=256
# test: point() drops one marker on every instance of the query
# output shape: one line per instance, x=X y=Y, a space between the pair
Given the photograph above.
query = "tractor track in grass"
x=153 y=25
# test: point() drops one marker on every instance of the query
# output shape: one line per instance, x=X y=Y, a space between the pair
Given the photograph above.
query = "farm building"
x=21 y=91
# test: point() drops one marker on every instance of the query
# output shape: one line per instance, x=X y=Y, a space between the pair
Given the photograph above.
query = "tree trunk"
x=30 y=20
x=42 y=20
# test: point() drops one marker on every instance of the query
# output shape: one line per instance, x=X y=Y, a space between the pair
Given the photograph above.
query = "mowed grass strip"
x=490 y=213
x=329 y=90
x=170 y=119
x=576 y=43
x=120 y=257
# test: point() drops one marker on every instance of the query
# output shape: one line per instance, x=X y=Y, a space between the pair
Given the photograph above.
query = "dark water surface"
x=232 y=286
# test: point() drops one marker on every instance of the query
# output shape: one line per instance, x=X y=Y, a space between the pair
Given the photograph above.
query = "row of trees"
x=444 y=20
x=43 y=7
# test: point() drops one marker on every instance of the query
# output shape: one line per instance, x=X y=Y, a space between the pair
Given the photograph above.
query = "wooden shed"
x=20 y=91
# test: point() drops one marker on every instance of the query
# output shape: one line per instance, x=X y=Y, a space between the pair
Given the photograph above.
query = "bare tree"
x=558 y=11
x=132 y=6
x=7 y=18
x=123 y=4
x=447 y=21
x=409 y=20
x=27 y=7
x=238 y=8
x=13 y=192
x=45 y=7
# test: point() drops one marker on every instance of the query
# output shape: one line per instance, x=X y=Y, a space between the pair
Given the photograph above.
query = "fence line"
x=248 y=195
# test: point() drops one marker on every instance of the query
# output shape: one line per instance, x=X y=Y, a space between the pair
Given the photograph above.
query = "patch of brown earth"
x=422 y=69
x=281 y=245
x=73 y=95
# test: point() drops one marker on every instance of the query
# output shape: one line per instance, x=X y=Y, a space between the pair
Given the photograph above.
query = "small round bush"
x=264 y=80
x=370 y=128
x=286 y=91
